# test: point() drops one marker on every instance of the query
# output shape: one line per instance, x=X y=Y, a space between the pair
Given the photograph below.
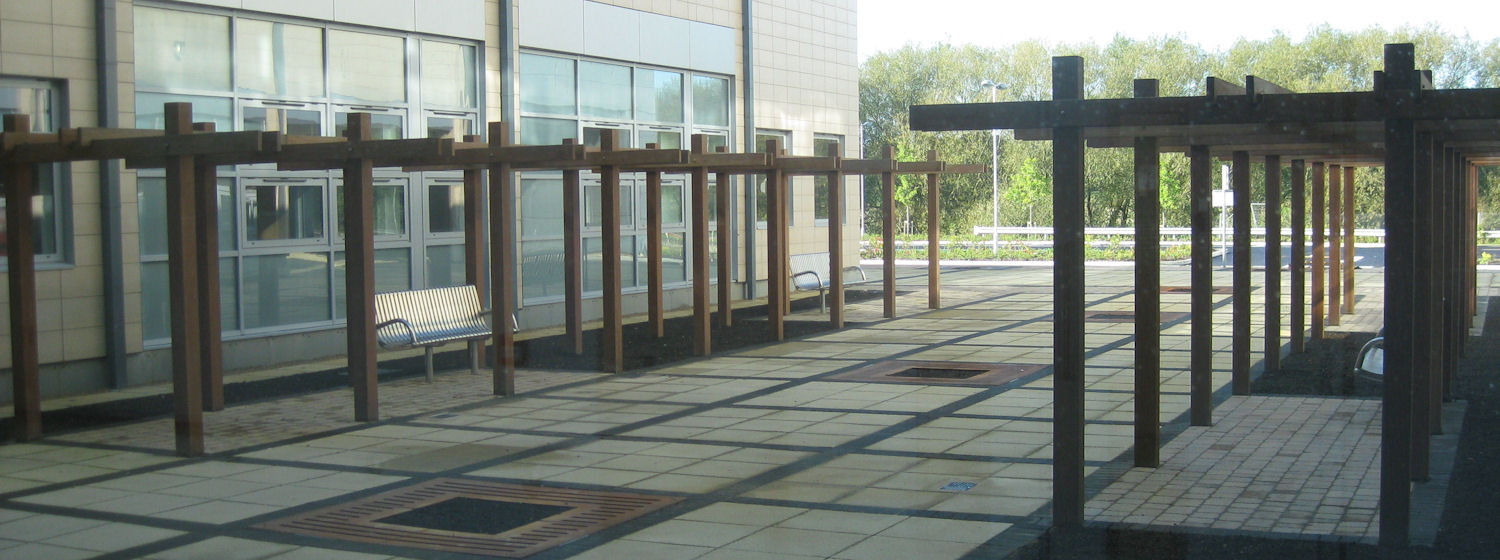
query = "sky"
x=889 y=24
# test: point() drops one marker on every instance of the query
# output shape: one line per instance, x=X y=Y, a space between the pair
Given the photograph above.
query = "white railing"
x=1046 y=232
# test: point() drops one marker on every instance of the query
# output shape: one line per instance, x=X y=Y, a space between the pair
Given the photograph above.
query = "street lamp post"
x=994 y=171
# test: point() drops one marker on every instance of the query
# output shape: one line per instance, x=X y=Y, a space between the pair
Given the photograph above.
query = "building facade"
x=740 y=72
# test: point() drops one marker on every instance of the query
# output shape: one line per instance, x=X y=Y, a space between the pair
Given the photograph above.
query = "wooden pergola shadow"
x=190 y=154
x=1429 y=142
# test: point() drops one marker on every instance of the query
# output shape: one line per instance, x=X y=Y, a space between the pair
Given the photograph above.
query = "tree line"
x=1325 y=60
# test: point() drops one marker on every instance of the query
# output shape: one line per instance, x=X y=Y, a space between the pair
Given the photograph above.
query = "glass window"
x=181 y=50
x=278 y=212
x=673 y=257
x=304 y=122
x=591 y=136
x=390 y=209
x=604 y=90
x=542 y=271
x=762 y=137
x=664 y=139
x=539 y=132
x=151 y=204
x=38 y=101
x=149 y=112
x=383 y=126
x=671 y=203
x=445 y=266
x=285 y=289
x=366 y=67
x=547 y=85
x=448 y=76
x=156 y=304
x=658 y=95
x=275 y=58
x=392 y=274
x=826 y=145
x=455 y=127
x=541 y=207
x=710 y=101
x=592 y=205
x=445 y=208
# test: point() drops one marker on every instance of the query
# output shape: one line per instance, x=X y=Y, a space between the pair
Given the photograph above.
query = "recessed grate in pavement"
x=942 y=373
x=473 y=517
x=1189 y=289
x=1127 y=316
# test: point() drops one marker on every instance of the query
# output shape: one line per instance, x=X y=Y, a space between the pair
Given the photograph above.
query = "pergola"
x=190 y=153
x=1430 y=143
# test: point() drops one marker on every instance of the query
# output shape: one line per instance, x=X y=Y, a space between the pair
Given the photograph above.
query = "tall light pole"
x=995 y=88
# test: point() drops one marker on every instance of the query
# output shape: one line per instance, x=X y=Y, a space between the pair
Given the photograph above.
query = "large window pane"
x=217 y=110
x=546 y=132
x=229 y=295
x=366 y=67
x=541 y=207
x=592 y=136
x=445 y=266
x=542 y=269
x=710 y=101
x=673 y=257
x=285 y=289
x=276 y=212
x=592 y=205
x=658 y=96
x=448 y=74
x=449 y=127
x=390 y=210
x=823 y=145
x=392 y=274
x=151 y=205
x=156 y=316
x=604 y=90
x=181 y=50
x=762 y=140
x=276 y=58
x=36 y=100
x=547 y=85
x=303 y=122
x=664 y=139
x=671 y=203
x=383 y=126
x=445 y=208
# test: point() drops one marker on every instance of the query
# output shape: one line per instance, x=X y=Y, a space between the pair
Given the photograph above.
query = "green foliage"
x=1326 y=59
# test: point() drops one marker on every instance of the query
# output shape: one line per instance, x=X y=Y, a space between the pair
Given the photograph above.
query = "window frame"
x=61 y=255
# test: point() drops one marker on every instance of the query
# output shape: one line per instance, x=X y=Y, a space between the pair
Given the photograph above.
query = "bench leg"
x=822 y=300
x=428 y=349
x=474 y=347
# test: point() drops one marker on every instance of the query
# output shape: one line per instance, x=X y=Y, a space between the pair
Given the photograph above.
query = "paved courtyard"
x=803 y=449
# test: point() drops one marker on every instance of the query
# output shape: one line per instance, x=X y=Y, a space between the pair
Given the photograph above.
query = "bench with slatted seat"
x=810 y=272
x=433 y=317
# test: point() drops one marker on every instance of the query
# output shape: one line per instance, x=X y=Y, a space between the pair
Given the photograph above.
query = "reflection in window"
x=181 y=50
x=591 y=136
x=592 y=204
x=671 y=203
x=445 y=208
x=390 y=210
x=604 y=90
x=392 y=274
x=448 y=76
x=285 y=289
x=156 y=303
x=541 y=207
x=304 y=122
x=664 y=139
x=658 y=95
x=762 y=138
x=673 y=257
x=546 y=132
x=217 y=110
x=449 y=127
x=542 y=270
x=823 y=145
x=547 y=85
x=383 y=126
x=445 y=266
x=278 y=58
x=151 y=204
x=366 y=67
x=710 y=101
x=36 y=100
x=283 y=212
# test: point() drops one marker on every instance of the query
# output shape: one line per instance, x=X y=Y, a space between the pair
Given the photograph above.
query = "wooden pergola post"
x=182 y=235
x=1299 y=251
x=502 y=197
x=20 y=235
x=209 y=313
x=776 y=271
x=934 y=237
x=1318 y=267
x=1425 y=324
x=1201 y=374
x=655 y=314
x=1240 y=354
x=1068 y=303
x=1147 y=294
x=725 y=239
x=836 y=245
x=1273 y=263
x=1349 y=240
x=1396 y=434
x=359 y=276
x=572 y=256
x=474 y=239
x=888 y=233
x=612 y=333
x=1335 y=249
x=702 y=311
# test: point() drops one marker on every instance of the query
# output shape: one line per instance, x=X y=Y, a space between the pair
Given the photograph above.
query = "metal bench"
x=433 y=317
x=810 y=272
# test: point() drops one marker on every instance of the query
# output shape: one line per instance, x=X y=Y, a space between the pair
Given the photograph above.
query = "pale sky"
x=889 y=24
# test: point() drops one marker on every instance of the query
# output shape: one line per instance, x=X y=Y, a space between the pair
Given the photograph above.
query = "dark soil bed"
x=1326 y=368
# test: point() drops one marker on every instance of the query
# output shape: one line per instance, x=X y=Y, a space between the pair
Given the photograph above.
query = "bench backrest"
x=814 y=262
x=434 y=309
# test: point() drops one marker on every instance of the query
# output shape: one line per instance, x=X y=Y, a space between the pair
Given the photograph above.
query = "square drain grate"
x=1128 y=316
x=473 y=517
x=1189 y=289
x=940 y=373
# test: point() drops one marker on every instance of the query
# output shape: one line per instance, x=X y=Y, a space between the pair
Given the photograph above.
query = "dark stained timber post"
x=359 y=277
x=1400 y=176
x=502 y=197
x=474 y=240
x=572 y=257
x=182 y=235
x=836 y=246
x=1299 y=256
x=1240 y=358
x=1147 y=294
x=612 y=332
x=934 y=237
x=1318 y=265
x=26 y=395
x=725 y=239
x=1273 y=263
x=702 y=312
x=1349 y=240
x=1335 y=248
x=209 y=326
x=1441 y=271
x=1067 y=315
x=654 y=309
x=1426 y=340
x=1201 y=360
x=776 y=273
x=888 y=233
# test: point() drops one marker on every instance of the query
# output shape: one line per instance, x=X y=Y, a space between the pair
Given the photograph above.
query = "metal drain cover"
x=938 y=373
x=473 y=515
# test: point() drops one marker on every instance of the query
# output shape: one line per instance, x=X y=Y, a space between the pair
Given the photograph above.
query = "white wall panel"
x=552 y=24
x=611 y=32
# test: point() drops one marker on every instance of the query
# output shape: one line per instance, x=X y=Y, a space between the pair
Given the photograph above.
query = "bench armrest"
x=860 y=270
x=411 y=332
x=816 y=278
x=515 y=326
